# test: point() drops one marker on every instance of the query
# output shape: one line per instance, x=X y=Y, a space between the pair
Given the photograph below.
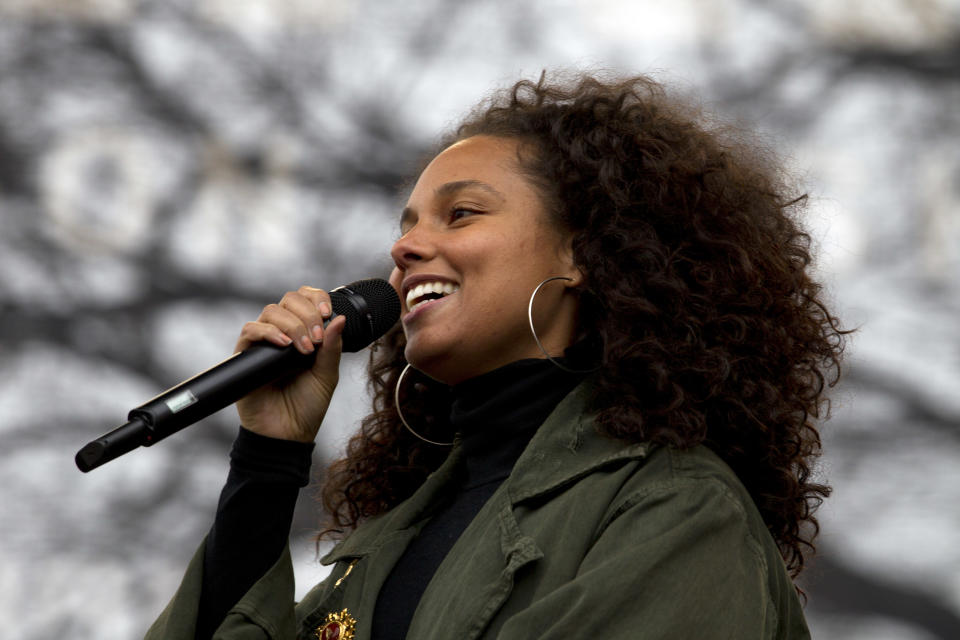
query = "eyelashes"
x=459 y=213
x=454 y=215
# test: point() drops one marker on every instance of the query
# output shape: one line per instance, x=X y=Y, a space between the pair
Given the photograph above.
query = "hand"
x=292 y=408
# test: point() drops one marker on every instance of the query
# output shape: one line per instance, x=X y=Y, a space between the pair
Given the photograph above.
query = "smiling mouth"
x=428 y=291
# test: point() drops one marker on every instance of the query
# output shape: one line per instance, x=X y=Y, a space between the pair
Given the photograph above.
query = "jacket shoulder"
x=693 y=479
x=695 y=484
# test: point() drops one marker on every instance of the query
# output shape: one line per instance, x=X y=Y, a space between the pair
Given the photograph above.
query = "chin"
x=426 y=361
x=438 y=365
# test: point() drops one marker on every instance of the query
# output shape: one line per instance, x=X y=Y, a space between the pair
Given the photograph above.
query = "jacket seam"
x=254 y=615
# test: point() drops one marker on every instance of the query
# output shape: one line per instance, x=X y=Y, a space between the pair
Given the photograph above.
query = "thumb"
x=331 y=347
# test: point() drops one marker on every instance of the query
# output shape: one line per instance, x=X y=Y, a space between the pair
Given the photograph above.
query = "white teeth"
x=441 y=288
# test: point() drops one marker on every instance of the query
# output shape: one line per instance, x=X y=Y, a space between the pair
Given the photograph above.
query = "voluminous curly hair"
x=697 y=284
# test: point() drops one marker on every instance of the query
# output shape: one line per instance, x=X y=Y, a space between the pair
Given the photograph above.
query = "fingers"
x=297 y=319
x=261 y=331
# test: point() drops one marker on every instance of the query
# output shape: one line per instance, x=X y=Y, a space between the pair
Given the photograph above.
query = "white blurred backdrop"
x=169 y=167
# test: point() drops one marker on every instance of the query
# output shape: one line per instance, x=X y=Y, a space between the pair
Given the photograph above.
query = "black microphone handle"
x=195 y=399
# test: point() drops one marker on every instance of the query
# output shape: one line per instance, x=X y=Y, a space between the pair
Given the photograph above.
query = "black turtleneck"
x=495 y=415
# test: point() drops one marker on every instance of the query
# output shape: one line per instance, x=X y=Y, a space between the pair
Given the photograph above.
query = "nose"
x=416 y=245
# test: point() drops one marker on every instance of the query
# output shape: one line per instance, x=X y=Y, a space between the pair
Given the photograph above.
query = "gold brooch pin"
x=337 y=626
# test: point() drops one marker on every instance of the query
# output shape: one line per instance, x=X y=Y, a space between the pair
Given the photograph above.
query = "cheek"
x=396 y=280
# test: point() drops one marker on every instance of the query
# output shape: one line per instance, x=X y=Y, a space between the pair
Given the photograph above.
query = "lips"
x=424 y=292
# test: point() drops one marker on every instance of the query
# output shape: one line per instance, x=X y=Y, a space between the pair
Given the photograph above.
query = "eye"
x=460 y=213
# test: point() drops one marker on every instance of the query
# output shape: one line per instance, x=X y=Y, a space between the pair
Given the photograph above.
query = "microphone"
x=370 y=306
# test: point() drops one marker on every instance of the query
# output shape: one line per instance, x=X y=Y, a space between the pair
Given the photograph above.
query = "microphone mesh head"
x=370 y=306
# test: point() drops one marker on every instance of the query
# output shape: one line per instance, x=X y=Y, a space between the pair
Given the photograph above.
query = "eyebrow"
x=450 y=188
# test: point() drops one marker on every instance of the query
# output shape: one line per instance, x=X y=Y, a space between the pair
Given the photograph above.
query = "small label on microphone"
x=181 y=401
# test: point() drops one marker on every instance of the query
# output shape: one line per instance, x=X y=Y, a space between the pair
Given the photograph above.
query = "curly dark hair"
x=697 y=284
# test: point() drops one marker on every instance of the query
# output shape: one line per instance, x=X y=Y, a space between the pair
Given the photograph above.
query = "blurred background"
x=168 y=168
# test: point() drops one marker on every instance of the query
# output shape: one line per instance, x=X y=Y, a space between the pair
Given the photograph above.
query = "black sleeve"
x=253 y=520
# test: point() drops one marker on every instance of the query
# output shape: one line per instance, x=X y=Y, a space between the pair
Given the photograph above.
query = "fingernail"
x=285 y=339
x=317 y=333
x=305 y=344
x=324 y=309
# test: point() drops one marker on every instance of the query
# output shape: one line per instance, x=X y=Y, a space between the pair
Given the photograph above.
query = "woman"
x=632 y=459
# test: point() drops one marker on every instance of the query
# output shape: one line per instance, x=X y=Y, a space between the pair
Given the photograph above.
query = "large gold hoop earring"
x=534 y=331
x=396 y=401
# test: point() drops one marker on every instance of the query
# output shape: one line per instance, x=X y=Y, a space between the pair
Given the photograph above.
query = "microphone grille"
x=370 y=306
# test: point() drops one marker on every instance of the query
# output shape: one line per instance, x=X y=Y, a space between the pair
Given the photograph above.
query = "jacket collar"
x=565 y=448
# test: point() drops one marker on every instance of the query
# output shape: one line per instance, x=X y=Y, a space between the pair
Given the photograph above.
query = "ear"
x=569 y=266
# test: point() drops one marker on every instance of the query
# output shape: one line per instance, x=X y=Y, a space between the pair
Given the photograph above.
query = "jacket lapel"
x=476 y=577
x=376 y=547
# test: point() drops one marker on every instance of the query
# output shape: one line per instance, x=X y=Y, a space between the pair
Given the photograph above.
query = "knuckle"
x=250 y=331
x=270 y=311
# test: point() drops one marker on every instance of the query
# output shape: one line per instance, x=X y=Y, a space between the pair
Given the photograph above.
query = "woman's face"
x=474 y=232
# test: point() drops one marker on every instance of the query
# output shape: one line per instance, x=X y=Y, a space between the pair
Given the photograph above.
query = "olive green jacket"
x=587 y=538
